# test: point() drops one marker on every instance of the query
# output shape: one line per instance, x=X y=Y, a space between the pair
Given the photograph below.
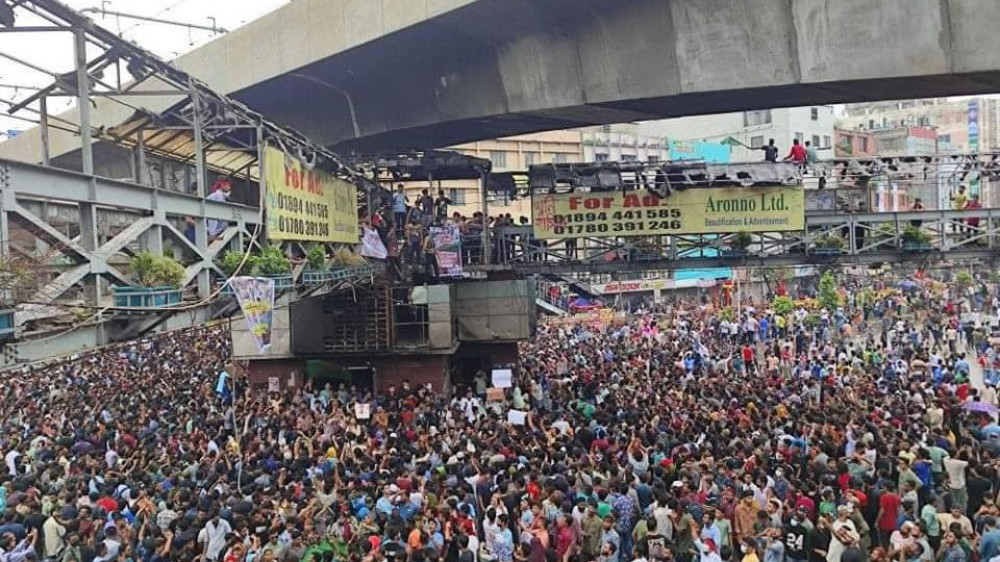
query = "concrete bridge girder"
x=644 y=59
x=363 y=74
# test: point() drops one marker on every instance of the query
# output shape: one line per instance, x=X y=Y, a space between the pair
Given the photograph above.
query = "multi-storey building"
x=748 y=131
x=961 y=125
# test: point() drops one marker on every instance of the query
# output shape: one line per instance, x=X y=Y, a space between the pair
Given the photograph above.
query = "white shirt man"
x=213 y=537
x=11 y=459
x=55 y=536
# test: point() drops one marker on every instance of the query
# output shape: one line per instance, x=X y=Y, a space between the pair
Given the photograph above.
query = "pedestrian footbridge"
x=864 y=238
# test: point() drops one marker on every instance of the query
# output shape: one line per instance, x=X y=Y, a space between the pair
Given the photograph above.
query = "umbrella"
x=980 y=407
x=908 y=285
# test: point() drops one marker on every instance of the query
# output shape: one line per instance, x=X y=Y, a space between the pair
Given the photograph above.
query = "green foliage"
x=994 y=277
x=270 y=261
x=783 y=305
x=885 y=230
x=143 y=264
x=914 y=235
x=231 y=261
x=18 y=274
x=830 y=241
x=964 y=279
x=168 y=273
x=316 y=258
x=829 y=298
x=741 y=240
x=811 y=320
x=151 y=270
x=727 y=314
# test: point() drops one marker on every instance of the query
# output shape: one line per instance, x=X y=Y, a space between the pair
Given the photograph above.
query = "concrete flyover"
x=374 y=74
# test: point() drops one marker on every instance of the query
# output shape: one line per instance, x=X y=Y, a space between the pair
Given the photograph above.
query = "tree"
x=964 y=279
x=783 y=305
x=829 y=298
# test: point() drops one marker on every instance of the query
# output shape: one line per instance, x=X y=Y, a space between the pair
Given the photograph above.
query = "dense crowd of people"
x=693 y=433
x=404 y=227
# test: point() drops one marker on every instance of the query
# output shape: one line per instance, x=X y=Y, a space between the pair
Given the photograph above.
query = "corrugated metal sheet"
x=231 y=153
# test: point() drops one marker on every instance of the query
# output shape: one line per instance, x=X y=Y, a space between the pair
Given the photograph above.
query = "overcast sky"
x=54 y=51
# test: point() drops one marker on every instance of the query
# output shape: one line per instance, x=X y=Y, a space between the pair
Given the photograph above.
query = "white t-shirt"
x=837 y=548
x=11 y=460
x=956 y=472
x=215 y=536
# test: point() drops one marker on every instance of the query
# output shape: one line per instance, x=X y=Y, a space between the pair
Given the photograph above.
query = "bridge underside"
x=502 y=67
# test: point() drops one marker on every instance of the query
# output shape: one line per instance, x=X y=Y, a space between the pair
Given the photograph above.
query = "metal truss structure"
x=79 y=217
x=115 y=219
x=665 y=177
x=868 y=238
x=842 y=199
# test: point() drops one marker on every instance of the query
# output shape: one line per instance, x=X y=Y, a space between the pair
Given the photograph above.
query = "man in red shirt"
x=565 y=541
x=888 y=512
x=749 y=359
x=797 y=153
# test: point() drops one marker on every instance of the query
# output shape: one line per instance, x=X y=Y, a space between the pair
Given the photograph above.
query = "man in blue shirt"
x=989 y=544
x=399 y=208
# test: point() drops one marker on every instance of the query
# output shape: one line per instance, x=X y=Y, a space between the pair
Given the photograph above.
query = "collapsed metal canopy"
x=205 y=123
x=232 y=153
x=426 y=165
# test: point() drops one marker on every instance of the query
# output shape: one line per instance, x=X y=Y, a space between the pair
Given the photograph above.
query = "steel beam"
x=38 y=182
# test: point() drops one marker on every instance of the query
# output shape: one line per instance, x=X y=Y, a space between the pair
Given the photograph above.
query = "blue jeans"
x=626 y=552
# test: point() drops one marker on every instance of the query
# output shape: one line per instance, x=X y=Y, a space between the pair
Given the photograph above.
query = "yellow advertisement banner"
x=305 y=204
x=690 y=211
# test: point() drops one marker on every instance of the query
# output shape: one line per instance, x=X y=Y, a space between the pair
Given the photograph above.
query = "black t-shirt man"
x=797 y=544
x=819 y=540
x=770 y=153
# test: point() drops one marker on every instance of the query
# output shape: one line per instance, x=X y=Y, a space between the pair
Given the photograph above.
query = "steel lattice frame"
x=156 y=213
x=869 y=238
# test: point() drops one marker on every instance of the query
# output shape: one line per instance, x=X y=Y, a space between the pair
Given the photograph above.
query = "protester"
x=656 y=436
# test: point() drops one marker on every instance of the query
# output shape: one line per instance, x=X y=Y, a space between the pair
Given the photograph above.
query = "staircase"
x=550 y=308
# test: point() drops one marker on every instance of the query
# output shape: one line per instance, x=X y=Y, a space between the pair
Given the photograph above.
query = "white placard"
x=273 y=384
x=363 y=411
x=517 y=417
x=502 y=378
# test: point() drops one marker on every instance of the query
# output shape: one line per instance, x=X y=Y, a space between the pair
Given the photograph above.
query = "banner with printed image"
x=447 y=249
x=256 y=298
